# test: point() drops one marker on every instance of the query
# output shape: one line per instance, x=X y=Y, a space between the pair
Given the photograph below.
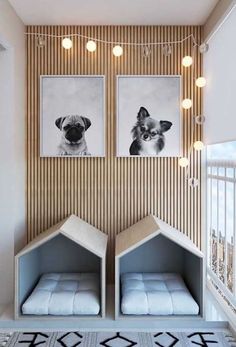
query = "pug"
x=73 y=130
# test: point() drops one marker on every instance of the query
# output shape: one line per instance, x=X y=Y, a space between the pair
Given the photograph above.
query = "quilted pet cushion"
x=64 y=294
x=156 y=294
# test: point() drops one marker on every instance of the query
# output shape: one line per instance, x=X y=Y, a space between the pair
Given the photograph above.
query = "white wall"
x=12 y=145
x=220 y=92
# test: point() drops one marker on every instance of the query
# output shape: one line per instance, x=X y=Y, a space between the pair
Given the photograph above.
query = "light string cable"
x=195 y=48
x=107 y=42
x=193 y=123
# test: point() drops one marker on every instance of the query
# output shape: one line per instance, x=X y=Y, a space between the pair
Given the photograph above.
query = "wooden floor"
x=215 y=319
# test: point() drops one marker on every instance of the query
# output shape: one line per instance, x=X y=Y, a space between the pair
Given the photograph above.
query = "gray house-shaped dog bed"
x=72 y=248
x=158 y=272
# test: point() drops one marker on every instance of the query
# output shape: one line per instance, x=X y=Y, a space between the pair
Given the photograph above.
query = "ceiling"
x=113 y=12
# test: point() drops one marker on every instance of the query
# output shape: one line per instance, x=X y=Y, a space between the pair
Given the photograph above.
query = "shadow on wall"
x=12 y=145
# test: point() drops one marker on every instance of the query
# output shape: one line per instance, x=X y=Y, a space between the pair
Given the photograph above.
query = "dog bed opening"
x=159 y=271
x=62 y=272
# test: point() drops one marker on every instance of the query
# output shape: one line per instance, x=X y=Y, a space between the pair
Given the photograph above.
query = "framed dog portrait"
x=72 y=116
x=148 y=116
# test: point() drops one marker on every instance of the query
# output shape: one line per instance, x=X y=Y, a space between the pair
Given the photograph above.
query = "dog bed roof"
x=148 y=228
x=77 y=231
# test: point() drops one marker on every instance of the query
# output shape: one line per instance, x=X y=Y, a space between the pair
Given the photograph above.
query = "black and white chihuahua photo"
x=148 y=134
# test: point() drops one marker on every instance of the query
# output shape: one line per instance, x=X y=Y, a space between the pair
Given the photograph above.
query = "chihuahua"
x=148 y=138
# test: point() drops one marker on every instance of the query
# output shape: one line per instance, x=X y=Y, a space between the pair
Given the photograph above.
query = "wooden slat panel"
x=111 y=193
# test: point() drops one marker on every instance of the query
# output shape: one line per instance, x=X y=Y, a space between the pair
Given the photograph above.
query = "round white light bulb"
x=91 y=46
x=187 y=61
x=117 y=51
x=187 y=103
x=67 y=43
x=183 y=162
x=198 y=145
x=200 y=82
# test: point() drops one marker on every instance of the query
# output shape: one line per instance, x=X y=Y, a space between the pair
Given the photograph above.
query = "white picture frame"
x=161 y=96
x=73 y=96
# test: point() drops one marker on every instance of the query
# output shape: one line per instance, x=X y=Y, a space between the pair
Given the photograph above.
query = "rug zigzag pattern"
x=118 y=339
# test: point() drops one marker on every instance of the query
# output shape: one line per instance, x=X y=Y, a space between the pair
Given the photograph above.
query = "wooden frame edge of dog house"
x=83 y=234
x=137 y=235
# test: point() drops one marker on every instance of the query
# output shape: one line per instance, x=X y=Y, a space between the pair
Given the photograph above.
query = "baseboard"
x=228 y=312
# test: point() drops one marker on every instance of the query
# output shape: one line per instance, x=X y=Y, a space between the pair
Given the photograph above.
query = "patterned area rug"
x=122 y=339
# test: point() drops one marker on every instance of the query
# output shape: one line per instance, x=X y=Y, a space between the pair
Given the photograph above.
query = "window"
x=221 y=216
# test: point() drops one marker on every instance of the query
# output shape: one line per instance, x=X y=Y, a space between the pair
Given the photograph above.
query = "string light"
x=146 y=51
x=203 y=48
x=199 y=120
x=166 y=50
x=113 y=43
x=117 y=51
x=67 y=43
x=41 y=42
x=193 y=182
x=187 y=104
x=198 y=145
x=187 y=61
x=91 y=46
x=183 y=162
x=200 y=82
x=146 y=47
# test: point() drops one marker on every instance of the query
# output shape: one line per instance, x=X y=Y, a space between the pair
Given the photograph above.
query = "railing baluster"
x=214 y=166
x=234 y=237
x=225 y=226
x=217 y=224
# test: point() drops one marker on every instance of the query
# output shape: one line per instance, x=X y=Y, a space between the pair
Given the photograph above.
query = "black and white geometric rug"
x=119 y=339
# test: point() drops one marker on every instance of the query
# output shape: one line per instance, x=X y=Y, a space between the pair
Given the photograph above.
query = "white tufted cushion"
x=156 y=294
x=64 y=294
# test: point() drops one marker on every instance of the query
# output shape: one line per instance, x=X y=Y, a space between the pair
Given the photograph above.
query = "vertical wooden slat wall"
x=112 y=193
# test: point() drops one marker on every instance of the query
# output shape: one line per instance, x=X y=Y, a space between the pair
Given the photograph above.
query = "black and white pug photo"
x=72 y=116
x=148 y=134
x=73 y=141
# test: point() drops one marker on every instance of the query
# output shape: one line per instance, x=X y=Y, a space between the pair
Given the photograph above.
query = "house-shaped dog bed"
x=62 y=273
x=159 y=273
